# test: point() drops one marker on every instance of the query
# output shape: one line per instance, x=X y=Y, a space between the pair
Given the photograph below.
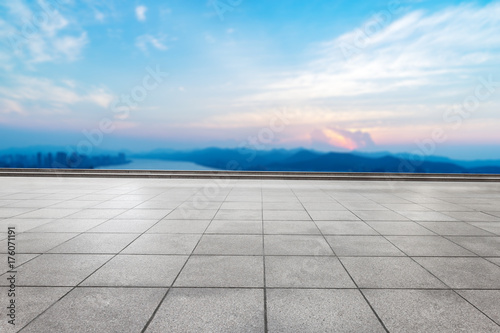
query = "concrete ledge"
x=248 y=175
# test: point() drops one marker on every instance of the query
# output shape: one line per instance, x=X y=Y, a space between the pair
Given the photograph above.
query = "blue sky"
x=329 y=75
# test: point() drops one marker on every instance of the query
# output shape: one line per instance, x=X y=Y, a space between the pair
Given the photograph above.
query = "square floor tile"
x=132 y=226
x=134 y=197
x=37 y=242
x=472 y=216
x=428 y=246
x=384 y=272
x=144 y=214
x=323 y=206
x=332 y=215
x=317 y=198
x=280 y=198
x=69 y=225
x=362 y=246
x=159 y=204
x=446 y=207
x=222 y=271
x=97 y=196
x=138 y=271
x=492 y=227
x=97 y=213
x=217 y=310
x=319 y=310
x=455 y=229
x=286 y=215
x=399 y=228
x=20 y=259
x=241 y=214
x=100 y=309
x=427 y=311
x=57 y=269
x=345 y=228
x=202 y=204
x=484 y=300
x=290 y=227
x=241 y=205
x=180 y=227
x=48 y=213
x=81 y=204
x=244 y=198
x=191 y=214
x=163 y=244
x=384 y=199
x=6 y=212
x=427 y=216
x=35 y=203
x=379 y=215
x=96 y=243
x=30 y=302
x=483 y=246
x=234 y=227
x=406 y=207
x=230 y=245
x=296 y=245
x=284 y=206
x=473 y=273
x=306 y=272
x=23 y=225
x=361 y=205
x=125 y=204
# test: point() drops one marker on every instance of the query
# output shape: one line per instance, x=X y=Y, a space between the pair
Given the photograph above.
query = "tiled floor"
x=159 y=255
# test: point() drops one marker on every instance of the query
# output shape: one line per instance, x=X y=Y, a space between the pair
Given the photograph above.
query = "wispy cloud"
x=10 y=106
x=40 y=33
x=140 y=12
x=50 y=94
x=143 y=42
x=71 y=47
x=417 y=50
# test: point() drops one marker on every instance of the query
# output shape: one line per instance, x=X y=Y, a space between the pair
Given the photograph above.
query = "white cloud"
x=10 y=106
x=416 y=51
x=143 y=42
x=71 y=47
x=45 y=93
x=100 y=96
x=140 y=12
x=37 y=36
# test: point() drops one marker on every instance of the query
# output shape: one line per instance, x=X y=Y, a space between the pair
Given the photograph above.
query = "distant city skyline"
x=410 y=76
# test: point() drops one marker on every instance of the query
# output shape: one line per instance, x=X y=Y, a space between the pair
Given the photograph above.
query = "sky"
x=401 y=76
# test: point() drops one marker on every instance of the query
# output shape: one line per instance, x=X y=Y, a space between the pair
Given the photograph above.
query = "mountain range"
x=314 y=161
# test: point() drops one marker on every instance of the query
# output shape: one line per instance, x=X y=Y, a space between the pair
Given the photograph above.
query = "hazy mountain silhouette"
x=313 y=161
